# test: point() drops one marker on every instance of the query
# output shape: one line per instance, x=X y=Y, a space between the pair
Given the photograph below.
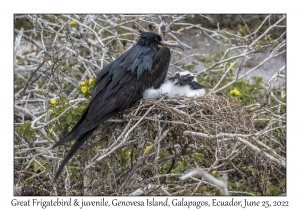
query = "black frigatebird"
x=119 y=85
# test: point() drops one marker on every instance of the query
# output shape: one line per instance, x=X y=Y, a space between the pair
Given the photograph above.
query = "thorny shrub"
x=238 y=128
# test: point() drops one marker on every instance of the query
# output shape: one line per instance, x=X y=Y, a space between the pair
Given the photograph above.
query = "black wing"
x=117 y=88
x=188 y=79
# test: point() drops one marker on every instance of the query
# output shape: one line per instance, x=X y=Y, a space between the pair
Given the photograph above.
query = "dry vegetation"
x=148 y=148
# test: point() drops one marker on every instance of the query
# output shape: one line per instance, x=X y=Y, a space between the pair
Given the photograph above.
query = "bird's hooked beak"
x=167 y=44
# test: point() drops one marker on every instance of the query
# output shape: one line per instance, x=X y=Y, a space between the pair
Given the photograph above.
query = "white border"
x=139 y=7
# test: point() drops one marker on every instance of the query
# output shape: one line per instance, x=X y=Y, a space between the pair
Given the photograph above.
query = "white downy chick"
x=181 y=84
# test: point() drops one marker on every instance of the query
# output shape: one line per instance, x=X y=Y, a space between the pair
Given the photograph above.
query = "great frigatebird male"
x=119 y=85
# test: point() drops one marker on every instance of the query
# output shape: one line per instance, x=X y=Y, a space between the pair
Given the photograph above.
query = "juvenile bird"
x=181 y=84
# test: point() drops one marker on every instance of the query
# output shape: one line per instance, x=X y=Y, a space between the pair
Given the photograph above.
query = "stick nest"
x=145 y=149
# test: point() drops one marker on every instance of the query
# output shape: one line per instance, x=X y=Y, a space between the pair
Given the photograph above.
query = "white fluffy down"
x=151 y=93
x=172 y=90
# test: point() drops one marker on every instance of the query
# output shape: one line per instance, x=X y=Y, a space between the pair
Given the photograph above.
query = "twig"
x=221 y=184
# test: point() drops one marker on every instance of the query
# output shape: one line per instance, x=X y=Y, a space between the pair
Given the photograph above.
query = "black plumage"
x=186 y=79
x=119 y=85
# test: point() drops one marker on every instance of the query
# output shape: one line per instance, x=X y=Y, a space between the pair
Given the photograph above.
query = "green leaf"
x=47 y=169
x=28 y=179
x=73 y=177
x=272 y=189
x=69 y=118
x=63 y=121
x=52 y=115
x=27 y=135
x=36 y=165
x=27 y=162
x=163 y=153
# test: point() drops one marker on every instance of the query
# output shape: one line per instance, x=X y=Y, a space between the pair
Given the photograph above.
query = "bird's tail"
x=64 y=139
x=80 y=130
x=81 y=139
x=76 y=131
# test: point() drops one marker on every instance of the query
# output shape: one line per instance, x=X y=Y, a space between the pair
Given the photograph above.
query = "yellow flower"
x=146 y=149
x=129 y=153
x=235 y=92
x=72 y=23
x=91 y=80
x=52 y=101
x=83 y=89
x=82 y=82
x=214 y=172
x=230 y=63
